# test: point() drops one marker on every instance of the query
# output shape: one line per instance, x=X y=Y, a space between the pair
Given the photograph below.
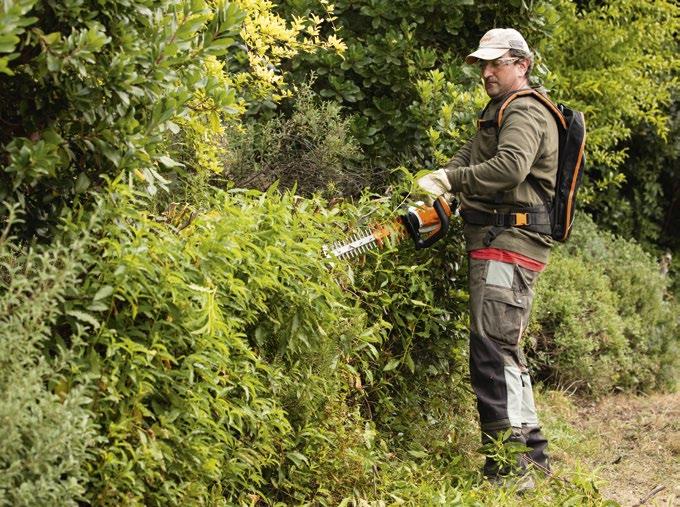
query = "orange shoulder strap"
x=540 y=97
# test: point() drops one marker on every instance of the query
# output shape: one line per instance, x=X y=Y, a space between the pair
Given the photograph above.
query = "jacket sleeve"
x=519 y=141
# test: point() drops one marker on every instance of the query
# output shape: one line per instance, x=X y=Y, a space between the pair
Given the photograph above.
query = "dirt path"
x=637 y=447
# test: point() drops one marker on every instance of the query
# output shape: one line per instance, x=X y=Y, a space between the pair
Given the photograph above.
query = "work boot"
x=535 y=440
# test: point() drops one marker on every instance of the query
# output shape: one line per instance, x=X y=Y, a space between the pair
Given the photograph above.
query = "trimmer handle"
x=423 y=218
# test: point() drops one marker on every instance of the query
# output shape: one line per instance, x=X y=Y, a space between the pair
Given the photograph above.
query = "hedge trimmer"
x=425 y=225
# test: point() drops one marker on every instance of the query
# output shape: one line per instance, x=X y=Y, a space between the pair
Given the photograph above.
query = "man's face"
x=503 y=75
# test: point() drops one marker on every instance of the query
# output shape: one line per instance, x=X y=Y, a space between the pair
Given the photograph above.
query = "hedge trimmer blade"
x=357 y=244
x=429 y=221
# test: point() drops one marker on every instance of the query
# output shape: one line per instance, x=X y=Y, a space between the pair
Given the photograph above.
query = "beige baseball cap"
x=496 y=42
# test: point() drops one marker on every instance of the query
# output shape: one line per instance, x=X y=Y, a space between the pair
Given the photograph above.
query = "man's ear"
x=524 y=66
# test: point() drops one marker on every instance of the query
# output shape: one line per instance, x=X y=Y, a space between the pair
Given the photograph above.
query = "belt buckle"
x=520 y=219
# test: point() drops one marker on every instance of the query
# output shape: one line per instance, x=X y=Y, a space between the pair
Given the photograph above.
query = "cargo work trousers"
x=501 y=296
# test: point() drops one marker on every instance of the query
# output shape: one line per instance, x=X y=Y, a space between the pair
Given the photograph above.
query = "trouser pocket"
x=505 y=313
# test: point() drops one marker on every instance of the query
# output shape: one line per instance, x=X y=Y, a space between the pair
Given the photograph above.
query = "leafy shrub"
x=422 y=369
x=579 y=342
x=626 y=84
x=228 y=363
x=48 y=432
x=222 y=357
x=634 y=46
x=91 y=90
x=602 y=318
x=311 y=150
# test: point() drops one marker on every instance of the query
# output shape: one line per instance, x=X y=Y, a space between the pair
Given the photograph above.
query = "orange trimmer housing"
x=428 y=224
x=424 y=219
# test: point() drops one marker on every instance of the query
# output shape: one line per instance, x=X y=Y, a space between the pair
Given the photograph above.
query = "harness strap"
x=492 y=234
x=535 y=219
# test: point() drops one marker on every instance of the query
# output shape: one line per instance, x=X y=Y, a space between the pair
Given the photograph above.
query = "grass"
x=429 y=481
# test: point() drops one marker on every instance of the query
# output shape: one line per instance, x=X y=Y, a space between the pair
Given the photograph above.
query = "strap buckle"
x=520 y=219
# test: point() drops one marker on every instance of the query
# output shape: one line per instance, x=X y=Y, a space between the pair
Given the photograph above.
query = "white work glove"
x=433 y=185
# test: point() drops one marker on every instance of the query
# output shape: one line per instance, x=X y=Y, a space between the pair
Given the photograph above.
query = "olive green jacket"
x=490 y=172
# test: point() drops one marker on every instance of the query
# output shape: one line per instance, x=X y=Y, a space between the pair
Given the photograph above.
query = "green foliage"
x=227 y=363
x=421 y=370
x=505 y=452
x=625 y=80
x=94 y=92
x=447 y=116
x=13 y=21
x=90 y=91
x=211 y=351
x=48 y=432
x=391 y=46
x=580 y=342
x=602 y=318
x=645 y=207
x=311 y=149
x=209 y=354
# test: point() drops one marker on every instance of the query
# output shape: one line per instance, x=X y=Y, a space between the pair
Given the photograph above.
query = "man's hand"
x=433 y=185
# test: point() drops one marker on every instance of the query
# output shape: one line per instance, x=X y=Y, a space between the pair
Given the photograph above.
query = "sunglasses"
x=497 y=63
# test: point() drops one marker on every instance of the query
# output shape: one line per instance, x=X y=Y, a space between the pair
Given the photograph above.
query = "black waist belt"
x=531 y=219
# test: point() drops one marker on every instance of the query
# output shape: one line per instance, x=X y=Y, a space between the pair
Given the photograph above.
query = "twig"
x=545 y=470
x=652 y=493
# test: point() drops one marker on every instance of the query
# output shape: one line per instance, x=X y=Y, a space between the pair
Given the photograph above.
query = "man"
x=503 y=175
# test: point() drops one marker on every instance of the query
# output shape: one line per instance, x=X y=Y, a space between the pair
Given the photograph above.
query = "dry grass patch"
x=627 y=446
